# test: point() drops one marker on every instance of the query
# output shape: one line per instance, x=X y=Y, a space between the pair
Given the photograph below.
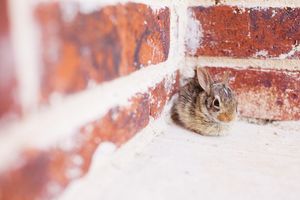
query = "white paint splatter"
x=156 y=8
x=169 y=82
x=193 y=37
x=89 y=7
x=295 y=48
x=239 y=10
x=273 y=12
x=262 y=53
x=69 y=10
x=114 y=115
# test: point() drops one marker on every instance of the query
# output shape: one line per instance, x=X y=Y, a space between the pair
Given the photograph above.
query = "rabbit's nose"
x=224 y=117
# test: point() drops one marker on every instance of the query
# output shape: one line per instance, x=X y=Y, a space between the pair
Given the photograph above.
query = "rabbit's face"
x=221 y=103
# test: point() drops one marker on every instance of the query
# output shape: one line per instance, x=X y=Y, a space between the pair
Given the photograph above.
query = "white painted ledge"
x=167 y=162
x=248 y=3
x=242 y=3
x=278 y=64
x=64 y=117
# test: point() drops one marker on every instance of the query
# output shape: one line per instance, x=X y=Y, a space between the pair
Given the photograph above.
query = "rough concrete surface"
x=165 y=161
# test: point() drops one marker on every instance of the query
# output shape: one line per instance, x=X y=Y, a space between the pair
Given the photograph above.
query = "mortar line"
x=48 y=126
x=285 y=64
x=248 y=3
x=94 y=5
x=25 y=39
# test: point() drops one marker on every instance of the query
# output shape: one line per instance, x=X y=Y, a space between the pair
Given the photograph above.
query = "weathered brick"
x=121 y=124
x=44 y=174
x=248 y=32
x=8 y=102
x=99 y=46
x=30 y=178
x=162 y=93
x=265 y=94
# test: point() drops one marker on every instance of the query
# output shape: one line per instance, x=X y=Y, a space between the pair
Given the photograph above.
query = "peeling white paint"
x=260 y=53
x=295 y=49
x=240 y=10
x=169 y=82
x=194 y=33
x=248 y=3
x=274 y=13
x=156 y=8
x=87 y=7
x=69 y=10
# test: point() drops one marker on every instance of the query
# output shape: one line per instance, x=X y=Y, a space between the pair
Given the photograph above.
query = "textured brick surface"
x=265 y=94
x=161 y=94
x=44 y=174
x=248 y=32
x=99 y=46
x=7 y=76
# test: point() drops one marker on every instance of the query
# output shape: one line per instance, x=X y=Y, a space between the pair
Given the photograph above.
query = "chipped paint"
x=261 y=53
x=291 y=53
x=194 y=33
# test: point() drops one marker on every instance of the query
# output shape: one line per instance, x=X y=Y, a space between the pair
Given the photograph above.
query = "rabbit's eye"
x=216 y=104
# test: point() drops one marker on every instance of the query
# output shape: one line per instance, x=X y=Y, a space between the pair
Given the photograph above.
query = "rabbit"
x=204 y=106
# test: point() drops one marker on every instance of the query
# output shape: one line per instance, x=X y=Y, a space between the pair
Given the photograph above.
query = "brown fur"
x=194 y=109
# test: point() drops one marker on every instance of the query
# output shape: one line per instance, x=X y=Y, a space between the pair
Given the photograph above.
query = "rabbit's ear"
x=204 y=79
x=226 y=78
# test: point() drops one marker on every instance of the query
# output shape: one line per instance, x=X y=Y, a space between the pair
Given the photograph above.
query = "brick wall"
x=8 y=83
x=78 y=75
x=259 y=47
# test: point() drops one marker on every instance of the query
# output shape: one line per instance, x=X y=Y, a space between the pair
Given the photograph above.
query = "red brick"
x=30 y=179
x=161 y=94
x=121 y=124
x=45 y=174
x=248 y=32
x=265 y=94
x=8 y=103
x=100 y=46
